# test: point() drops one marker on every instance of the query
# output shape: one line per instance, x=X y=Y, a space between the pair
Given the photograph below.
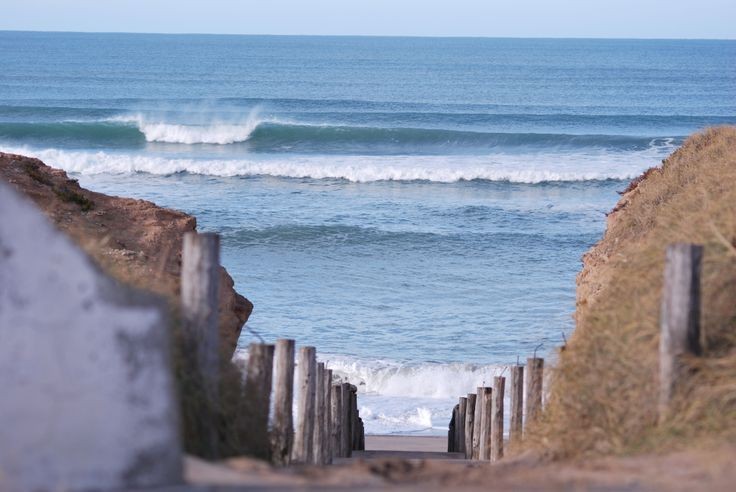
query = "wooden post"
x=258 y=397
x=517 y=404
x=199 y=289
x=361 y=444
x=303 y=439
x=484 y=453
x=327 y=421
x=499 y=384
x=534 y=377
x=460 y=424
x=353 y=417
x=680 y=317
x=337 y=415
x=282 y=433
x=452 y=430
x=346 y=424
x=469 y=423
x=477 y=420
x=200 y=285
x=318 y=457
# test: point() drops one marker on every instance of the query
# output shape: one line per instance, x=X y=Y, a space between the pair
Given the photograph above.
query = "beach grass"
x=603 y=394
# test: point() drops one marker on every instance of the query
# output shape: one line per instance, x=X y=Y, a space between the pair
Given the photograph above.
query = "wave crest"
x=521 y=168
x=427 y=380
x=190 y=134
x=271 y=136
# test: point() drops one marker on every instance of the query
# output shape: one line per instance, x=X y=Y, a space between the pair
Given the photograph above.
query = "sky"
x=511 y=18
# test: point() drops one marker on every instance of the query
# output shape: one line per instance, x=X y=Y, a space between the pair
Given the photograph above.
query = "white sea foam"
x=518 y=168
x=208 y=133
x=427 y=380
x=398 y=397
x=405 y=398
x=190 y=134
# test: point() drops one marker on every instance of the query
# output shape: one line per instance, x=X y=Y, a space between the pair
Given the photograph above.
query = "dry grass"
x=221 y=428
x=603 y=393
x=210 y=429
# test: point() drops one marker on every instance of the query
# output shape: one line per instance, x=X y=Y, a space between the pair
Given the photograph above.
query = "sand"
x=701 y=469
x=406 y=448
x=436 y=444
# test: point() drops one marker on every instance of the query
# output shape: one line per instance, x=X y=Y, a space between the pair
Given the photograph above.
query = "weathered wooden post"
x=346 y=421
x=484 y=452
x=361 y=442
x=200 y=281
x=327 y=417
x=258 y=398
x=460 y=424
x=200 y=290
x=497 y=418
x=469 y=424
x=318 y=457
x=477 y=420
x=517 y=404
x=353 y=417
x=679 y=318
x=303 y=439
x=337 y=416
x=282 y=433
x=452 y=430
x=534 y=378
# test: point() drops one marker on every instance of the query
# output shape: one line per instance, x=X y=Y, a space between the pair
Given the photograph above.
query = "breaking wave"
x=424 y=380
x=273 y=136
x=515 y=168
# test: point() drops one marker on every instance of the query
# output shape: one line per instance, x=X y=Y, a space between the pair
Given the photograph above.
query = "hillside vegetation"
x=603 y=393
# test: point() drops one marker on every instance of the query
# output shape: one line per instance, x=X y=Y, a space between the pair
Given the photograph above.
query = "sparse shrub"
x=68 y=195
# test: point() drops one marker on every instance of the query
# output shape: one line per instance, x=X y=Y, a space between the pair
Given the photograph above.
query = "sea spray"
x=209 y=132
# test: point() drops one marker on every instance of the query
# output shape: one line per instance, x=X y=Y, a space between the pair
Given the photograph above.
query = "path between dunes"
x=409 y=463
x=424 y=466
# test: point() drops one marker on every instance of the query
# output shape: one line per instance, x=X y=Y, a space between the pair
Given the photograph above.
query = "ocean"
x=416 y=208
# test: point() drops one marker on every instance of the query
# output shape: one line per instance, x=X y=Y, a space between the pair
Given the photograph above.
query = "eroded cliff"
x=136 y=241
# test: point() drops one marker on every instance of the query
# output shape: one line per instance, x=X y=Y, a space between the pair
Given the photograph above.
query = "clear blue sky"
x=512 y=18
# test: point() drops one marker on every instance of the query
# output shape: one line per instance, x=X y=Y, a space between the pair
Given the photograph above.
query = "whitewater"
x=514 y=168
x=415 y=208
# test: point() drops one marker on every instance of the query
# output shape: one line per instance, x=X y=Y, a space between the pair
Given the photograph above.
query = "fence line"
x=679 y=340
x=328 y=423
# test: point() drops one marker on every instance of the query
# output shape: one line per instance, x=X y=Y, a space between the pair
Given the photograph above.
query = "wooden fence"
x=328 y=423
x=477 y=424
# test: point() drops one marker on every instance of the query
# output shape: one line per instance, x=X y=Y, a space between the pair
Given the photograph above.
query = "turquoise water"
x=416 y=208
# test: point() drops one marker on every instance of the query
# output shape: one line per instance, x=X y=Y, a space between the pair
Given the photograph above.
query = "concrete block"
x=87 y=395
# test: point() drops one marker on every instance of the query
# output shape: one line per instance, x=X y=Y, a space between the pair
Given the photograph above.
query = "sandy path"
x=698 y=469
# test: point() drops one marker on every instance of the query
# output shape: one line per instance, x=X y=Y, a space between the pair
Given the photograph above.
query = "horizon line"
x=433 y=36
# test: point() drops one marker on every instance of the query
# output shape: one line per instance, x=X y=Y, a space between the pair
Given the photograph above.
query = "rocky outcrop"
x=135 y=241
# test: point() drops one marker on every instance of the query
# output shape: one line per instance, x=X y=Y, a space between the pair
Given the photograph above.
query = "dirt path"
x=707 y=469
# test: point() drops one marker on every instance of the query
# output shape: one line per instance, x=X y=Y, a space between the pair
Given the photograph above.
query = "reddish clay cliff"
x=134 y=240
